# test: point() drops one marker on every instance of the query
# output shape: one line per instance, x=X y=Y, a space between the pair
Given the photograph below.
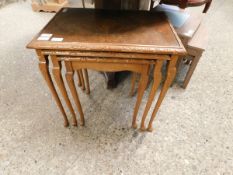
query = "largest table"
x=109 y=41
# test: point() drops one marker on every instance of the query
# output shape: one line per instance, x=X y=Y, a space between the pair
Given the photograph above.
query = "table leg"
x=171 y=74
x=156 y=83
x=142 y=86
x=70 y=81
x=58 y=78
x=193 y=66
x=79 y=79
x=87 y=81
x=179 y=61
x=82 y=79
x=133 y=82
x=43 y=65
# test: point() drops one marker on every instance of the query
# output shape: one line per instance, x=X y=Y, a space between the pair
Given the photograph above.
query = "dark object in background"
x=117 y=4
x=188 y=3
x=112 y=78
x=107 y=4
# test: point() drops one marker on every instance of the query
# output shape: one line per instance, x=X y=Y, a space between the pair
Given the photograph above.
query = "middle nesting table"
x=111 y=41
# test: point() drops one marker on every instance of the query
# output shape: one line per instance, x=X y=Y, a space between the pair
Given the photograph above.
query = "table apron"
x=120 y=55
x=107 y=60
x=108 y=67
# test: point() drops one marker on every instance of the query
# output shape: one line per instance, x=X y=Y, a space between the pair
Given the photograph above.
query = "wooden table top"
x=115 y=31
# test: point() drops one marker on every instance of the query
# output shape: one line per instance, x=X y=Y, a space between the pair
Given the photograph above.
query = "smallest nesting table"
x=108 y=41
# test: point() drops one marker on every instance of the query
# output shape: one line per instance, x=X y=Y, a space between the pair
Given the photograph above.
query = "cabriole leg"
x=58 y=78
x=156 y=83
x=43 y=66
x=86 y=79
x=70 y=81
x=171 y=73
x=142 y=86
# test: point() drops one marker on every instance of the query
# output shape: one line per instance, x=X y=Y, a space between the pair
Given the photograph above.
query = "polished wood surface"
x=105 y=30
x=102 y=40
x=200 y=39
x=193 y=37
x=188 y=29
x=195 y=48
x=103 y=64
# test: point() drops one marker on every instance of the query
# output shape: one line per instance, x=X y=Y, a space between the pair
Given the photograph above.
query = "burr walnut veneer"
x=108 y=41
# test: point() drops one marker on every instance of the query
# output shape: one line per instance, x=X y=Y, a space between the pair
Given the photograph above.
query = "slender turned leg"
x=43 y=65
x=70 y=81
x=142 y=86
x=58 y=78
x=193 y=66
x=156 y=83
x=133 y=81
x=171 y=73
x=82 y=79
x=79 y=79
x=87 y=81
